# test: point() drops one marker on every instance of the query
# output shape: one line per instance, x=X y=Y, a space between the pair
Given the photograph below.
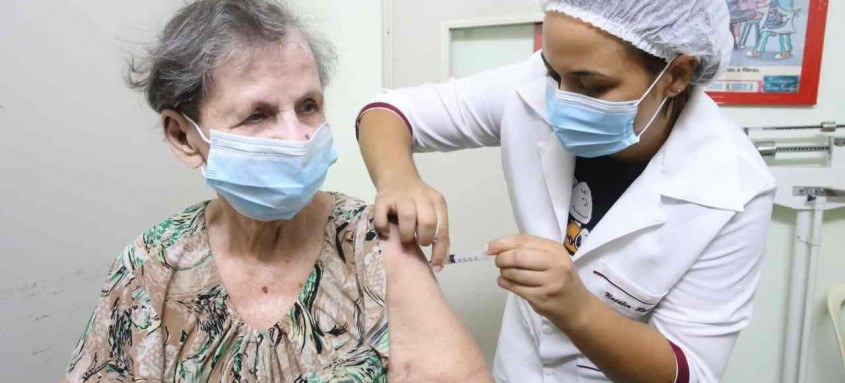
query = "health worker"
x=643 y=210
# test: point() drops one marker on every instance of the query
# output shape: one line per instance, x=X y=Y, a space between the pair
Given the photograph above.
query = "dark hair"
x=175 y=73
x=654 y=65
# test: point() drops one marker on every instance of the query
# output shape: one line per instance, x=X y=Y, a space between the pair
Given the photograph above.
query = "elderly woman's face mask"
x=267 y=179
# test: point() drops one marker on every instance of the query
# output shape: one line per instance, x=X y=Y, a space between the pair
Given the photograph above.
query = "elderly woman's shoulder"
x=177 y=242
x=348 y=209
x=352 y=219
x=186 y=224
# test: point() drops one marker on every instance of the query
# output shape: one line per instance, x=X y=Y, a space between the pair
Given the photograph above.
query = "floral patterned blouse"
x=164 y=314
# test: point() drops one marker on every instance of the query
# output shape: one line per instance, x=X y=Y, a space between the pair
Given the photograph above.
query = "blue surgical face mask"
x=266 y=179
x=590 y=127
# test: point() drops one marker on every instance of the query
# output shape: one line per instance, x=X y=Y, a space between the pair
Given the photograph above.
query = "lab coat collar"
x=638 y=208
x=696 y=164
x=699 y=164
x=534 y=95
x=700 y=161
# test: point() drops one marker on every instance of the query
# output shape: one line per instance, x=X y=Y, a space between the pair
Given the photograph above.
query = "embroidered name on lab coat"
x=622 y=301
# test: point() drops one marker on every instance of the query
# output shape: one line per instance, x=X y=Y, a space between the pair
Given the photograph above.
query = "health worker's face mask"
x=590 y=127
x=266 y=179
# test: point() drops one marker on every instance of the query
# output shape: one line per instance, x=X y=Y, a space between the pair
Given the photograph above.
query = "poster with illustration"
x=777 y=53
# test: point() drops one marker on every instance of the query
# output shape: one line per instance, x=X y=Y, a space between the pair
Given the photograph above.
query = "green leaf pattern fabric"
x=164 y=315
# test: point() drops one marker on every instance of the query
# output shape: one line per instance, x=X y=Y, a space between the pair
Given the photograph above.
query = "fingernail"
x=437 y=269
x=487 y=249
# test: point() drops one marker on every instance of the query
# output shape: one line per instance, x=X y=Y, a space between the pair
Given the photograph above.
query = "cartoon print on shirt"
x=580 y=214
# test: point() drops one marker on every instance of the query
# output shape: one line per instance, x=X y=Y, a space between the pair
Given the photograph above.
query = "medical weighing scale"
x=809 y=165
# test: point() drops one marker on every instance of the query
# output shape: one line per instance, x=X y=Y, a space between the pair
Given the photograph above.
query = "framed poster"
x=777 y=53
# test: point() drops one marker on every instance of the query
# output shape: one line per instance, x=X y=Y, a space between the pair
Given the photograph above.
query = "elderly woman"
x=275 y=281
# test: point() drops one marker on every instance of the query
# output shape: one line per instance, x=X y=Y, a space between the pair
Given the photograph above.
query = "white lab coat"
x=681 y=250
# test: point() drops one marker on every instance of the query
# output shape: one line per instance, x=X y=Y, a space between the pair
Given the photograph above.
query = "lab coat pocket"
x=622 y=294
x=589 y=373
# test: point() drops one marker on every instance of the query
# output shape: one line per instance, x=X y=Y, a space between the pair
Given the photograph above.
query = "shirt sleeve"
x=123 y=340
x=705 y=311
x=372 y=281
x=457 y=114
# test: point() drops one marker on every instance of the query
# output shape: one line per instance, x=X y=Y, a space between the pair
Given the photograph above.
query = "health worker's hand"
x=421 y=212
x=541 y=272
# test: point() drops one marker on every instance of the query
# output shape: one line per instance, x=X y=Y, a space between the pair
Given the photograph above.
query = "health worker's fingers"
x=522 y=241
x=525 y=292
x=533 y=260
x=407 y=215
x=381 y=212
x=522 y=277
x=442 y=240
x=426 y=222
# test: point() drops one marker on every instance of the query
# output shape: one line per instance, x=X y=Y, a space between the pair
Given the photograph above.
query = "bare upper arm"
x=428 y=342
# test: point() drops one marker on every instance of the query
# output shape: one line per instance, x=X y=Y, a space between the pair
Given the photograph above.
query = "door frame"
x=446 y=28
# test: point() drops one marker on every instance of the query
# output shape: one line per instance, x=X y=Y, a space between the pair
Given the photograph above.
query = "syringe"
x=464 y=258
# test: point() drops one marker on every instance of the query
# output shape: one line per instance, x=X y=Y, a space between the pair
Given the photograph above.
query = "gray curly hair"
x=175 y=73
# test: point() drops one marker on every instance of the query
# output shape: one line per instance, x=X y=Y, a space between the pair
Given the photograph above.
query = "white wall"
x=84 y=170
